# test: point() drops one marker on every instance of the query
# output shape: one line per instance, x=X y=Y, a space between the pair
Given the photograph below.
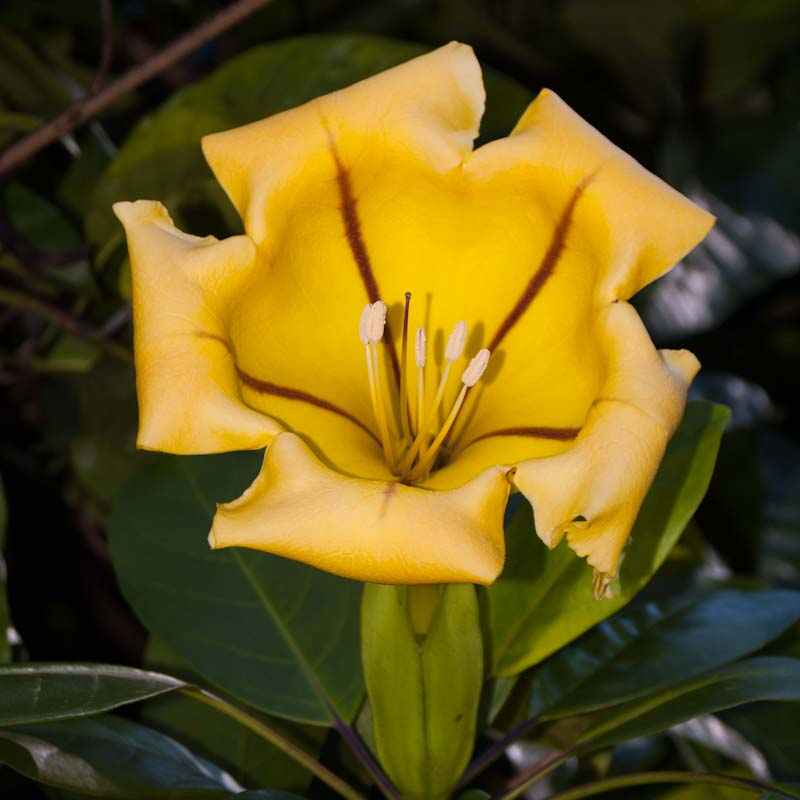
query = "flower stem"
x=645 y=778
x=495 y=750
x=274 y=738
x=363 y=755
x=536 y=772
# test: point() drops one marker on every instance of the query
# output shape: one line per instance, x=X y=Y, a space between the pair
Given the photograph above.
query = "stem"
x=538 y=771
x=276 y=739
x=86 y=108
x=644 y=778
x=362 y=753
x=495 y=750
x=24 y=302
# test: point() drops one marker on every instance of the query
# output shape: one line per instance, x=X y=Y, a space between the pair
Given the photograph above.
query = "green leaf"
x=775 y=731
x=657 y=643
x=213 y=735
x=111 y=758
x=544 y=599
x=39 y=221
x=161 y=160
x=764 y=678
x=276 y=634
x=424 y=682
x=42 y=692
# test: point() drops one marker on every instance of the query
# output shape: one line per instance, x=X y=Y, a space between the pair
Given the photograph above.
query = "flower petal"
x=428 y=108
x=376 y=531
x=593 y=491
x=183 y=287
x=641 y=225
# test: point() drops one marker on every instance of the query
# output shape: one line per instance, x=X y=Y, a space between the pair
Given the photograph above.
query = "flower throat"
x=409 y=432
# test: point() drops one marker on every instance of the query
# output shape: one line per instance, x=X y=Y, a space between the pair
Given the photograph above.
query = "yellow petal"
x=428 y=108
x=367 y=530
x=302 y=181
x=593 y=491
x=639 y=226
x=183 y=288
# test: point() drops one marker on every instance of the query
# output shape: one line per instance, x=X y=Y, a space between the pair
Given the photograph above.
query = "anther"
x=456 y=342
x=376 y=321
x=474 y=371
x=420 y=347
x=363 y=324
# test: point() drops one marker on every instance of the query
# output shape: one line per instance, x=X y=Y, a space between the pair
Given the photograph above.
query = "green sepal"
x=423 y=688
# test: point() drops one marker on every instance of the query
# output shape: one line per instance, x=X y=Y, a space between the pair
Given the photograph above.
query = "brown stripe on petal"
x=536 y=432
x=287 y=392
x=355 y=239
x=216 y=338
x=546 y=266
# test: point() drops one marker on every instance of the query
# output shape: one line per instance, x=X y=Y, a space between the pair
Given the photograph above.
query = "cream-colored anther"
x=376 y=321
x=475 y=369
x=363 y=324
x=456 y=342
x=420 y=347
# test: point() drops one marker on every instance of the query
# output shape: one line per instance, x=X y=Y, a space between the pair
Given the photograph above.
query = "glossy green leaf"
x=276 y=634
x=41 y=692
x=544 y=599
x=424 y=687
x=656 y=643
x=775 y=731
x=161 y=160
x=213 y=735
x=763 y=678
x=111 y=758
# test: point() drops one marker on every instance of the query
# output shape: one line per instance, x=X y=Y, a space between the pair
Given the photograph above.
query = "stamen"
x=456 y=342
x=474 y=371
x=420 y=354
x=376 y=321
x=472 y=374
x=404 y=423
x=452 y=352
x=363 y=322
x=370 y=331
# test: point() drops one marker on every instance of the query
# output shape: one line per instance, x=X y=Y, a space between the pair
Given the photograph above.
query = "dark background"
x=706 y=94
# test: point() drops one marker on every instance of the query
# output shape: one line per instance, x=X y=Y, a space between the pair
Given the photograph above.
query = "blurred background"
x=706 y=93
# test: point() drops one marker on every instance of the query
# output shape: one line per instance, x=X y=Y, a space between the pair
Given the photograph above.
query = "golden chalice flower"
x=413 y=328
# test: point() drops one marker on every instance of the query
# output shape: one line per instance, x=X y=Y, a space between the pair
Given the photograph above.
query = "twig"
x=646 y=778
x=535 y=773
x=495 y=750
x=107 y=17
x=278 y=740
x=362 y=753
x=86 y=108
x=24 y=302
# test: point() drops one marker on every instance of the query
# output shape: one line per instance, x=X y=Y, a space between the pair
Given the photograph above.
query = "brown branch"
x=107 y=50
x=86 y=108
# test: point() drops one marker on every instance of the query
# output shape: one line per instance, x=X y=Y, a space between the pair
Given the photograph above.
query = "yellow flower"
x=507 y=357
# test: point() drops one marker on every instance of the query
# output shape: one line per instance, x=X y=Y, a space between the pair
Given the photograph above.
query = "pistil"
x=406 y=444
